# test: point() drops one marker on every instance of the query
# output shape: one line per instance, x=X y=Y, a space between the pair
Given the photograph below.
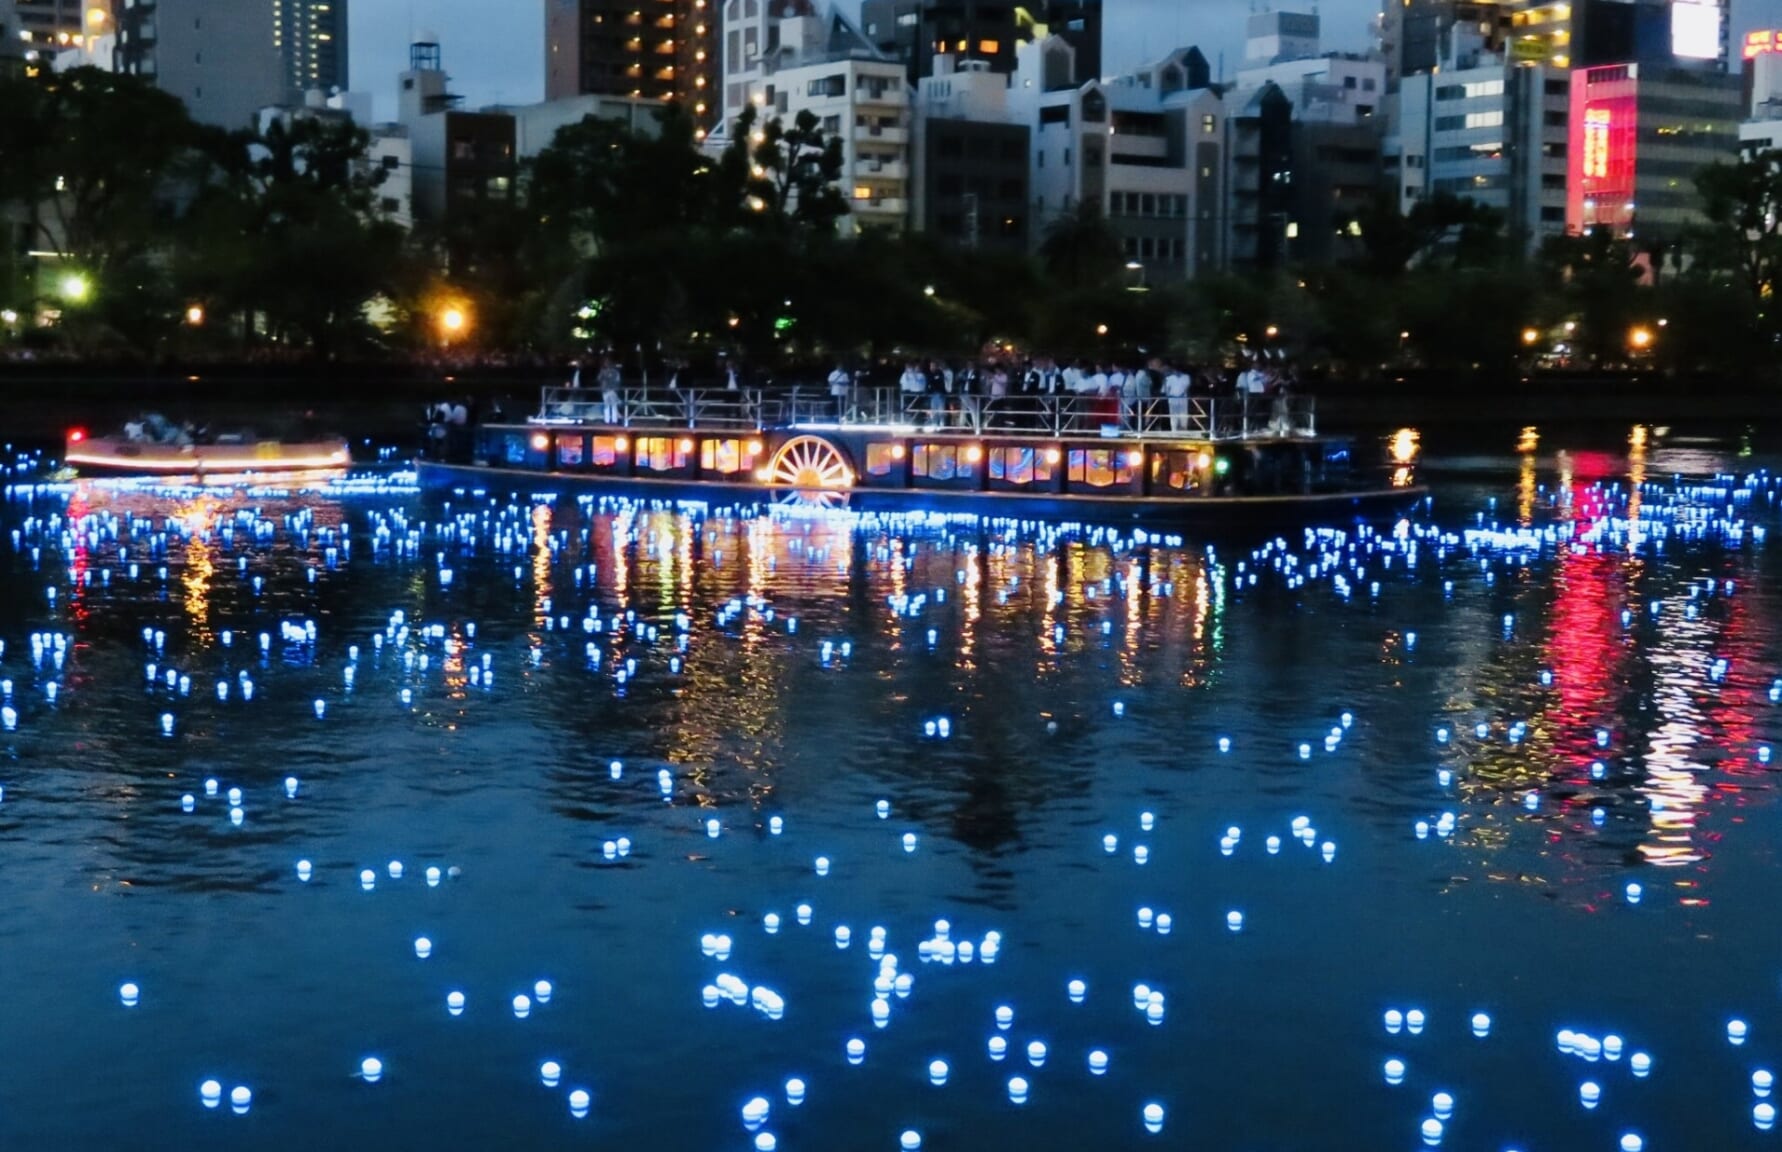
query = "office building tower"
x=654 y=49
x=311 y=38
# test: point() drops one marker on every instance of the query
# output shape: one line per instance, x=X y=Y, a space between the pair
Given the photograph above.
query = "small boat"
x=154 y=447
x=1227 y=463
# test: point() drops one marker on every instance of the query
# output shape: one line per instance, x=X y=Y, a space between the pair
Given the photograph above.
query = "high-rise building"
x=1414 y=33
x=655 y=49
x=919 y=32
x=218 y=56
x=311 y=38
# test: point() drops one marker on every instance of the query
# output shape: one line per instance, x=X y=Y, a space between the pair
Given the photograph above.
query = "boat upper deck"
x=1199 y=418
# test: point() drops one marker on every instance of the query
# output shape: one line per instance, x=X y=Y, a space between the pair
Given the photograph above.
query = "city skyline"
x=503 y=61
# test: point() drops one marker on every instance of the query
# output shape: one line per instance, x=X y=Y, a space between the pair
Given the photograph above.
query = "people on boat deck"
x=1142 y=394
x=839 y=384
x=609 y=380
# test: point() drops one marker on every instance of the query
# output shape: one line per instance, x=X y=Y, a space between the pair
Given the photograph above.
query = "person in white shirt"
x=1175 y=388
x=838 y=391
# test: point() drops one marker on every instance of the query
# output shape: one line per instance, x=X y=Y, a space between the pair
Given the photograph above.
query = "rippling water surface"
x=792 y=667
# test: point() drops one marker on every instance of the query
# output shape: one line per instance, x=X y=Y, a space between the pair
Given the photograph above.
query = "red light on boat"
x=76 y=435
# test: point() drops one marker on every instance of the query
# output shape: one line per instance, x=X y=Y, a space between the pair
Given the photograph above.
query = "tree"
x=284 y=231
x=1595 y=279
x=95 y=164
x=1393 y=241
x=1079 y=250
x=1743 y=234
x=792 y=171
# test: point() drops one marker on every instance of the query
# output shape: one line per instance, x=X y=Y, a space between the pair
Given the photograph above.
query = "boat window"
x=606 y=451
x=516 y=447
x=882 y=458
x=721 y=456
x=939 y=462
x=569 y=451
x=1020 y=465
x=662 y=453
x=1175 y=470
x=1099 y=467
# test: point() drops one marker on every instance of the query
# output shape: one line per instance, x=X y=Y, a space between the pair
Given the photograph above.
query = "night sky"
x=495 y=52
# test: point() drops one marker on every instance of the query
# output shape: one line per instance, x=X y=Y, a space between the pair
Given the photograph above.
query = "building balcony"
x=882 y=135
x=890 y=98
x=1147 y=147
x=888 y=170
x=880 y=207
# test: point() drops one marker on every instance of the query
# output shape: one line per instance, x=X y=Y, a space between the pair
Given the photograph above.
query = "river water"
x=1014 y=695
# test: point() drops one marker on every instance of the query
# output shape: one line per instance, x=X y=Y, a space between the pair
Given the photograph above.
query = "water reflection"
x=790 y=665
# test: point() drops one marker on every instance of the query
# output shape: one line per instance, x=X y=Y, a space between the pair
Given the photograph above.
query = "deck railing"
x=1110 y=417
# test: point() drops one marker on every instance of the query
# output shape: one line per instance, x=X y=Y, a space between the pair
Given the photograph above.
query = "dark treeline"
x=146 y=236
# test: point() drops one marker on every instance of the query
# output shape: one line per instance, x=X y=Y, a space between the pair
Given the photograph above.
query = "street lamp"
x=1530 y=336
x=75 y=288
x=1101 y=329
x=195 y=315
x=1271 y=331
x=928 y=290
x=1639 y=338
x=453 y=321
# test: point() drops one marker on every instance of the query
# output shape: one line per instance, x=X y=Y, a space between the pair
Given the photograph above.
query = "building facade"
x=311 y=39
x=461 y=161
x=537 y=125
x=971 y=178
x=218 y=56
x=1258 y=199
x=663 y=50
x=12 y=42
x=47 y=25
x=1639 y=133
x=1146 y=150
x=866 y=102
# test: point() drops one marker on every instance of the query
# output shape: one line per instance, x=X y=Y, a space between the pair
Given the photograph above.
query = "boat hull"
x=1323 y=509
x=116 y=456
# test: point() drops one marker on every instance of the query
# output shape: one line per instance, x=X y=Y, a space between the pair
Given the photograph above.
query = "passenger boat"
x=154 y=447
x=1048 y=457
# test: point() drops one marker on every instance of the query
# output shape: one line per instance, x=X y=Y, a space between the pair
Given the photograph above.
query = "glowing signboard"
x=1596 y=142
x=1695 y=29
x=1761 y=43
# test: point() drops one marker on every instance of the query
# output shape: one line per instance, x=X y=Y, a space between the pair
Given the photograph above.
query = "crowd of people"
x=1153 y=396
x=1008 y=393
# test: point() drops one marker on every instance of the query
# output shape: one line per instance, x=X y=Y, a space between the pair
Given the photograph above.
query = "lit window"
x=721 y=456
x=882 y=458
x=862 y=192
x=1099 y=467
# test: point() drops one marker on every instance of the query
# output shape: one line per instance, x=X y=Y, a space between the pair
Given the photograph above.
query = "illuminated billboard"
x=1601 y=156
x=1695 y=29
x=1761 y=43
